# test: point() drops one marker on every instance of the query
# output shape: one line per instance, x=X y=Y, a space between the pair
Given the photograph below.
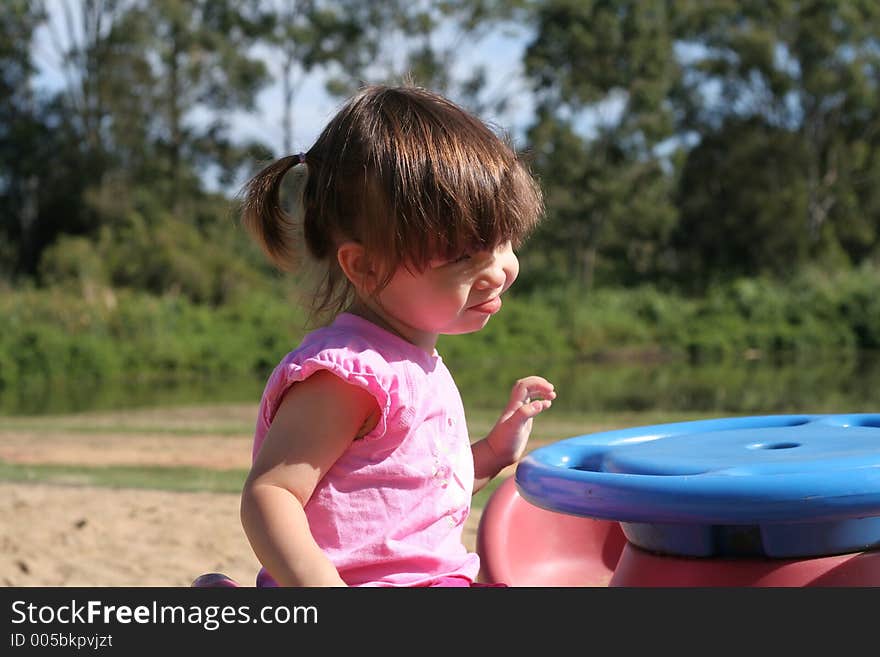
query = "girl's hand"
x=509 y=436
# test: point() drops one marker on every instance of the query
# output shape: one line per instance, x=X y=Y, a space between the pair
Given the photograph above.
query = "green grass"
x=177 y=479
x=549 y=427
x=123 y=429
x=552 y=426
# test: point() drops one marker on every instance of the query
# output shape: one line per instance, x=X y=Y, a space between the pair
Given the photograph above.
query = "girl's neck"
x=372 y=313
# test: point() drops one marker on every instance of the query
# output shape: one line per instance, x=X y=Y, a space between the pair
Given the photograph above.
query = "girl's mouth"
x=489 y=307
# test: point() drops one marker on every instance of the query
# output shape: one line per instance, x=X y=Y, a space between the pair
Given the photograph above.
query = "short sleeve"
x=366 y=371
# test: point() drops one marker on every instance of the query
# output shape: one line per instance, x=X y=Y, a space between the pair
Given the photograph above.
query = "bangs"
x=480 y=218
x=441 y=184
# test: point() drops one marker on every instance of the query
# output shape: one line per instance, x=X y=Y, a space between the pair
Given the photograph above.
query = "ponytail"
x=274 y=230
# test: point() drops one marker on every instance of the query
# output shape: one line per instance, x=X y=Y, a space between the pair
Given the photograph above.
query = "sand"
x=68 y=534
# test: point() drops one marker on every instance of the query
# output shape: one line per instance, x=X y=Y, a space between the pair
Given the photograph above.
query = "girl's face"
x=450 y=297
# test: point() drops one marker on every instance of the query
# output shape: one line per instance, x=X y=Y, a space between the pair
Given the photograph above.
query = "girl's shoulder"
x=353 y=339
x=392 y=370
x=360 y=342
x=343 y=352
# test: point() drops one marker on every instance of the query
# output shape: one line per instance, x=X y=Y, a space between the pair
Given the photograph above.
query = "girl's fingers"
x=532 y=409
x=527 y=391
x=535 y=382
x=532 y=387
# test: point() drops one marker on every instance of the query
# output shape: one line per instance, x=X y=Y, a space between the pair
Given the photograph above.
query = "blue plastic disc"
x=773 y=485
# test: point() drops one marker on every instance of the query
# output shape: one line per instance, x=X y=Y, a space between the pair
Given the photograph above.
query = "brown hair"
x=405 y=172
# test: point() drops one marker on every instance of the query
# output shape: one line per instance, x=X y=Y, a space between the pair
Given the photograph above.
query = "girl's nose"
x=501 y=270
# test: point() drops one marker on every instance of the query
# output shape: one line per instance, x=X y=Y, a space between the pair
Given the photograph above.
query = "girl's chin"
x=468 y=325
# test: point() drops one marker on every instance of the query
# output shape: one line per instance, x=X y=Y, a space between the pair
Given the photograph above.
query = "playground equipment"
x=521 y=544
x=773 y=500
x=784 y=500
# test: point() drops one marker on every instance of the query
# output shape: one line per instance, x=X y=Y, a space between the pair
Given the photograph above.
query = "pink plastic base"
x=640 y=568
x=521 y=544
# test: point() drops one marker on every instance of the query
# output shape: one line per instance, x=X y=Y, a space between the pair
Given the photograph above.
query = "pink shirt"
x=391 y=510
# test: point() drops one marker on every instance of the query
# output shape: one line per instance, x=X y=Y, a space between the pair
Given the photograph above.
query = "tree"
x=37 y=149
x=601 y=72
x=308 y=36
x=201 y=60
x=19 y=180
x=118 y=137
x=791 y=89
x=742 y=198
x=433 y=44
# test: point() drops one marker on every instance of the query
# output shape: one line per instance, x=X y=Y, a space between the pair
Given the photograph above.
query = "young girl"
x=362 y=467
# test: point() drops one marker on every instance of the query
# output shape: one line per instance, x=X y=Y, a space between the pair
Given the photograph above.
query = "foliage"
x=783 y=98
x=709 y=171
x=126 y=335
x=602 y=73
x=60 y=335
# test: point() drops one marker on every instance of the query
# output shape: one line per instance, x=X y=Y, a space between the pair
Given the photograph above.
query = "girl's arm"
x=315 y=423
x=507 y=440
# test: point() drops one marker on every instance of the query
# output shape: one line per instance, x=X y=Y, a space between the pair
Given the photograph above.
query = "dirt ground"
x=75 y=535
x=68 y=535
x=85 y=536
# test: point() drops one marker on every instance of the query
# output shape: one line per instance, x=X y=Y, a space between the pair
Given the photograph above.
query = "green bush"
x=55 y=335
x=100 y=333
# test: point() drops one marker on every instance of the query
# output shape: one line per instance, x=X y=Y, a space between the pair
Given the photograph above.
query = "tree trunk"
x=174 y=114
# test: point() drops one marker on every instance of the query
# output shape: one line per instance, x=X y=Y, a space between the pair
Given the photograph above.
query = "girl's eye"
x=446 y=262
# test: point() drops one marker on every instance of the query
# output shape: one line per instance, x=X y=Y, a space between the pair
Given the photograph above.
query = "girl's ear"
x=357 y=266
